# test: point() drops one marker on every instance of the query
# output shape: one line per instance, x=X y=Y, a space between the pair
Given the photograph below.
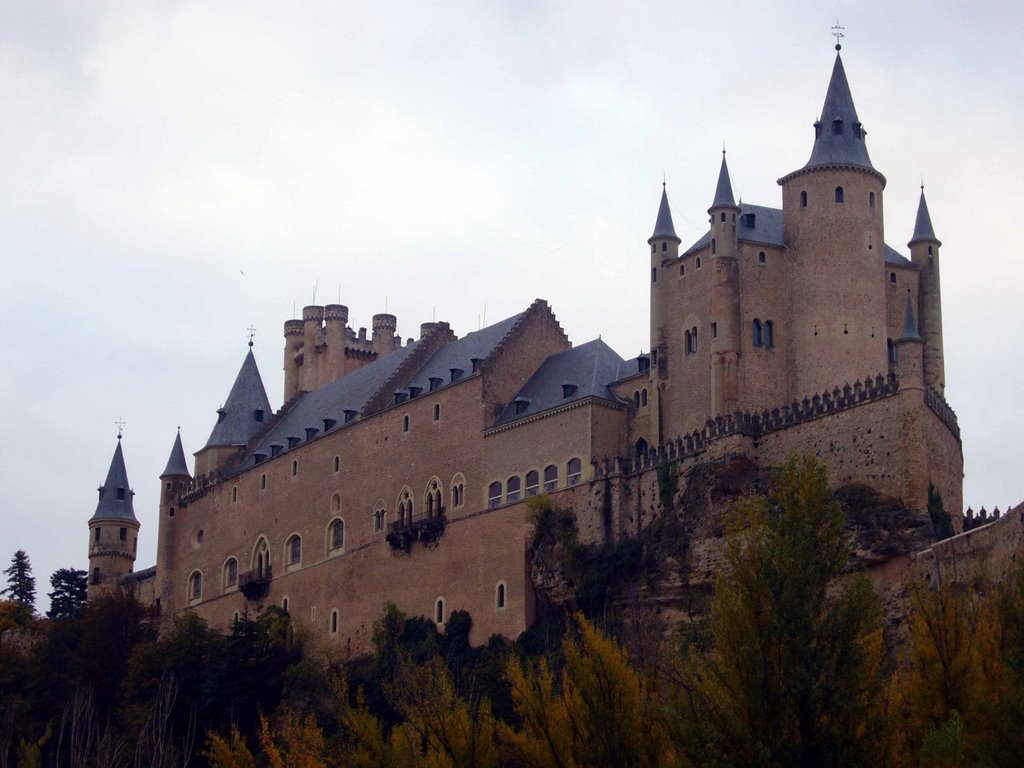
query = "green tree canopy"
x=21 y=584
x=67 y=600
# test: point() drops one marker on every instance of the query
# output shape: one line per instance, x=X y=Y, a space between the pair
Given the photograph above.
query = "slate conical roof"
x=176 y=464
x=923 y=226
x=664 y=229
x=723 y=192
x=839 y=135
x=246 y=409
x=909 y=323
x=115 y=496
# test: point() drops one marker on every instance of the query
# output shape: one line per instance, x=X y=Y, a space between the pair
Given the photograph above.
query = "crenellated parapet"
x=941 y=408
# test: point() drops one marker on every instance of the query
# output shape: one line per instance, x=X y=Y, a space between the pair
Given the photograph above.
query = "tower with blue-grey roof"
x=113 y=529
x=724 y=336
x=924 y=253
x=664 y=248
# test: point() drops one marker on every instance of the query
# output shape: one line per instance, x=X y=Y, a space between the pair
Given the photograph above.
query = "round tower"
x=113 y=530
x=309 y=372
x=174 y=482
x=384 y=327
x=664 y=248
x=725 y=296
x=924 y=252
x=910 y=352
x=292 y=345
x=832 y=226
x=335 y=320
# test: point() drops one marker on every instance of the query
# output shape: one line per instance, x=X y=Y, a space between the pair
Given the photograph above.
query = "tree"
x=794 y=675
x=67 y=601
x=21 y=584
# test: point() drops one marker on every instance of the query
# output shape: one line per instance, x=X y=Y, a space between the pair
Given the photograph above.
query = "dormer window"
x=310 y=432
x=435 y=383
x=643 y=363
x=858 y=130
x=329 y=423
x=837 y=127
x=275 y=449
x=400 y=397
x=456 y=373
x=350 y=416
x=476 y=363
x=521 y=404
x=258 y=457
x=817 y=130
x=258 y=415
x=748 y=220
x=568 y=390
x=221 y=415
x=120 y=494
x=413 y=391
x=293 y=441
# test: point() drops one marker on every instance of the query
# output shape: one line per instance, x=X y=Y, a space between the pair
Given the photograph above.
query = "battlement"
x=941 y=408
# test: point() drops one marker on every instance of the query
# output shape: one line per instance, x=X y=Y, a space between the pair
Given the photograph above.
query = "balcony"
x=254 y=584
x=424 y=529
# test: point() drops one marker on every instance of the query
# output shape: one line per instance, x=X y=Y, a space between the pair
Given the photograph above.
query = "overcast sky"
x=173 y=172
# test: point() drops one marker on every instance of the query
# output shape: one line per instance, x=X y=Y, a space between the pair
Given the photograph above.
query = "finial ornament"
x=252 y=332
x=120 y=426
x=837 y=33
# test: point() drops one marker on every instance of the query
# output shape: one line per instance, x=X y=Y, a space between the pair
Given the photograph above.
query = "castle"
x=402 y=471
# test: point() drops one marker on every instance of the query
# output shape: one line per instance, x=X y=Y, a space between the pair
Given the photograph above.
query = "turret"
x=924 y=252
x=174 y=482
x=909 y=351
x=309 y=371
x=725 y=296
x=832 y=227
x=113 y=529
x=335 y=321
x=664 y=247
x=292 y=349
x=384 y=327
x=243 y=415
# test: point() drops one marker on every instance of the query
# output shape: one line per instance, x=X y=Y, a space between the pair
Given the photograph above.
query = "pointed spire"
x=723 y=192
x=176 y=464
x=923 y=226
x=664 y=229
x=246 y=409
x=115 y=496
x=909 y=323
x=839 y=135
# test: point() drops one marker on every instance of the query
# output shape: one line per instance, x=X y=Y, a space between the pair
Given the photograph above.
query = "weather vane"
x=252 y=332
x=120 y=426
x=837 y=33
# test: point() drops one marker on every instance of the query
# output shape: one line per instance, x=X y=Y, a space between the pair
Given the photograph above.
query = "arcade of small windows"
x=433 y=500
x=532 y=483
x=405 y=509
x=513 y=485
x=379 y=516
x=762 y=333
x=640 y=398
x=574 y=471
x=458 y=492
x=550 y=478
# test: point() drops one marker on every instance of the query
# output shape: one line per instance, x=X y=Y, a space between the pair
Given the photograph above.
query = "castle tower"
x=384 y=327
x=924 y=252
x=113 y=529
x=241 y=417
x=832 y=227
x=335 y=321
x=664 y=247
x=174 y=481
x=725 y=297
x=292 y=348
x=910 y=351
x=309 y=370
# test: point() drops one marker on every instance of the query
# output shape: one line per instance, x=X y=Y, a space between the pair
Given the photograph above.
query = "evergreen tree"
x=67 y=601
x=21 y=584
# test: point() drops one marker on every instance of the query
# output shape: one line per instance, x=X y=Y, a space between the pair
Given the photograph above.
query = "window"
x=458 y=490
x=334 y=622
x=295 y=467
x=170 y=512
x=261 y=559
x=682 y=270
x=664 y=246
x=769 y=342
x=230 y=572
x=96 y=538
x=643 y=398
x=839 y=194
x=513 y=486
x=532 y=482
x=761 y=258
x=405 y=508
x=439 y=610
x=234 y=493
x=284 y=605
x=437 y=411
x=714 y=330
x=687 y=342
x=574 y=471
x=378 y=519
x=95 y=575
x=499 y=597
x=405 y=423
x=550 y=478
x=892 y=351
x=568 y=390
x=803 y=199
x=636 y=399
x=871 y=199
x=258 y=414
x=654 y=274
x=698 y=262
x=930 y=250
x=263 y=481
x=195 y=586
x=892 y=278
x=521 y=404
x=641 y=448
x=120 y=494
x=234 y=617
x=837 y=129
x=293 y=550
x=337 y=464
x=693 y=340
x=757 y=333
x=494 y=495
x=714 y=243
x=654 y=248
x=337 y=537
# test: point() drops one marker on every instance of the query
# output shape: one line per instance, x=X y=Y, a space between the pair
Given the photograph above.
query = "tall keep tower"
x=174 y=481
x=113 y=529
x=725 y=297
x=664 y=247
x=924 y=252
x=832 y=226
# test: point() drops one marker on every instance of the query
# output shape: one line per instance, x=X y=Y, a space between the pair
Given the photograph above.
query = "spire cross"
x=837 y=33
x=252 y=332
x=120 y=426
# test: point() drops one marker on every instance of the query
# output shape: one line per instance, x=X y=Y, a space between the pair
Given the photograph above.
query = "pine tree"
x=21 y=584
x=67 y=601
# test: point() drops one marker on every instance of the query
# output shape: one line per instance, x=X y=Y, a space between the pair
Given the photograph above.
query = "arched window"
x=458 y=490
x=437 y=411
x=714 y=245
x=405 y=423
x=499 y=596
x=284 y=605
x=550 y=478
x=693 y=340
x=803 y=199
x=769 y=342
x=195 y=586
x=871 y=199
x=698 y=262
x=432 y=499
x=532 y=483
x=643 y=397
x=574 y=470
x=761 y=258
x=839 y=194
x=641 y=448
x=230 y=572
x=664 y=247
x=687 y=342
x=337 y=535
x=636 y=399
x=337 y=464
x=757 y=335
x=379 y=515
x=405 y=508
x=293 y=550
x=263 y=481
x=494 y=495
x=512 y=487
x=439 y=610
x=261 y=559
x=892 y=278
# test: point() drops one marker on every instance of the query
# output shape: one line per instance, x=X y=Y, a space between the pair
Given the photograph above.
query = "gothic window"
x=641 y=448
x=499 y=597
x=513 y=486
x=405 y=508
x=439 y=610
x=494 y=495
x=261 y=559
x=803 y=199
x=195 y=585
x=378 y=519
x=574 y=471
x=550 y=478
x=458 y=490
x=433 y=499
x=769 y=342
x=230 y=572
x=757 y=333
x=337 y=535
x=839 y=194
x=532 y=482
x=293 y=550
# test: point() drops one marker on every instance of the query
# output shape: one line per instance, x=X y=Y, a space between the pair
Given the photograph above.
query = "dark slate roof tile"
x=176 y=464
x=461 y=353
x=663 y=227
x=895 y=258
x=237 y=423
x=846 y=147
x=110 y=507
x=767 y=228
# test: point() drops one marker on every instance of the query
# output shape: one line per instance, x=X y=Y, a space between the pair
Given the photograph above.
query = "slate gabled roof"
x=663 y=227
x=923 y=224
x=237 y=423
x=110 y=507
x=846 y=147
x=895 y=258
x=578 y=373
x=767 y=228
x=176 y=464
